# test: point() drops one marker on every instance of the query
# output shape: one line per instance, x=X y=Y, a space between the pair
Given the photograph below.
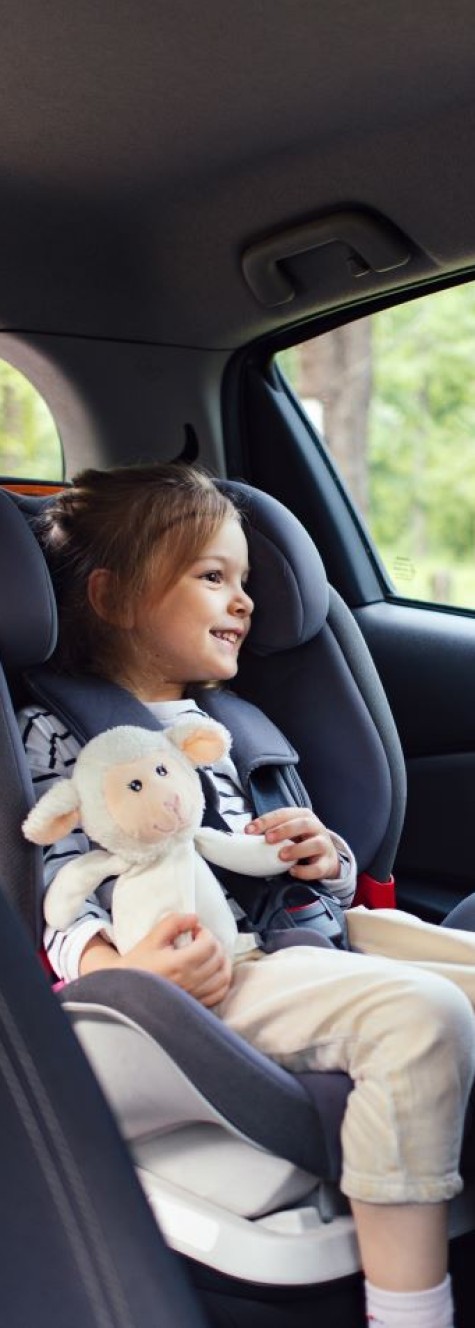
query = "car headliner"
x=146 y=143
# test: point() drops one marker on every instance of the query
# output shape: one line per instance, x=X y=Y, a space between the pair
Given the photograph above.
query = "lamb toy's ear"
x=55 y=815
x=202 y=741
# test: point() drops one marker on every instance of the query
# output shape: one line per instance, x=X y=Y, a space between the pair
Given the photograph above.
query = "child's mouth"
x=232 y=638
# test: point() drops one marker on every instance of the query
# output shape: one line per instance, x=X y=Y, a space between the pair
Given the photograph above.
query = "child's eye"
x=161 y=770
x=135 y=785
x=214 y=576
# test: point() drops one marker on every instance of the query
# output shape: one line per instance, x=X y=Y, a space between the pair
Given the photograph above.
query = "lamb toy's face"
x=154 y=797
x=133 y=791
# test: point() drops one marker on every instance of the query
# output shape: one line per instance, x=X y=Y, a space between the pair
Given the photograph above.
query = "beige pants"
x=395 y=1014
x=398 y=935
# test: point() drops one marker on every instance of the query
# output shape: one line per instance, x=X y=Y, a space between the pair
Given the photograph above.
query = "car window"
x=30 y=446
x=394 y=396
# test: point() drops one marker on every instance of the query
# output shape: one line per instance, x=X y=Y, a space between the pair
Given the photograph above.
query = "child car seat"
x=79 y=1244
x=239 y=1159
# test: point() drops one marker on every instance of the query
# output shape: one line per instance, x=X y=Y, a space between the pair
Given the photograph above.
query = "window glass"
x=30 y=446
x=394 y=396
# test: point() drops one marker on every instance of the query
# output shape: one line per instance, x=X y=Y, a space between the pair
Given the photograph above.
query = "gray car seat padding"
x=79 y=1244
x=275 y=1109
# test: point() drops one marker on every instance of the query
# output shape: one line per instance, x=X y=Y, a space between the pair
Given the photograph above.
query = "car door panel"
x=426 y=659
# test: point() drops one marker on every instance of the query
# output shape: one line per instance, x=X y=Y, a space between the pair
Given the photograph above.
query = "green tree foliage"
x=29 y=443
x=422 y=426
x=417 y=439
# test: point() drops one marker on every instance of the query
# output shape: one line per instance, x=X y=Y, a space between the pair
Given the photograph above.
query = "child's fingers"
x=308 y=865
x=204 y=969
x=315 y=846
x=318 y=869
x=289 y=823
x=216 y=987
x=270 y=820
x=308 y=848
x=187 y=922
x=166 y=931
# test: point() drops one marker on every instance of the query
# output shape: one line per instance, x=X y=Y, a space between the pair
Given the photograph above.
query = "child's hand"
x=202 y=968
x=311 y=855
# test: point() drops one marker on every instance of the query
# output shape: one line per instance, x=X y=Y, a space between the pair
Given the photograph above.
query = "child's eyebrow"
x=220 y=558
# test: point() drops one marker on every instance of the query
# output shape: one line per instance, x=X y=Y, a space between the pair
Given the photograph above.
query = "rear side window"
x=30 y=446
x=394 y=397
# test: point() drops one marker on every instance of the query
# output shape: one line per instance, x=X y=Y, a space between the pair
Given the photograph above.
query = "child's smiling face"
x=194 y=632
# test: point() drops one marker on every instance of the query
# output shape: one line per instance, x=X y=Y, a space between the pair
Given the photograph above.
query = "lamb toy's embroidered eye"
x=136 y=785
x=161 y=770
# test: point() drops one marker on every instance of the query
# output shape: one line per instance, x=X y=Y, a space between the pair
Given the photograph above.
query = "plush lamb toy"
x=138 y=794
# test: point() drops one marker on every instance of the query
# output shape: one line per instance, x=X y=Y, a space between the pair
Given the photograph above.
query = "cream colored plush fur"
x=137 y=793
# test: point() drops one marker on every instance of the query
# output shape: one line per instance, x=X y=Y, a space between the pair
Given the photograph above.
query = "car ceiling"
x=146 y=143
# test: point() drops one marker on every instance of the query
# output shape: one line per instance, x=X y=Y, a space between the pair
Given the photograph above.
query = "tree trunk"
x=335 y=373
x=11 y=412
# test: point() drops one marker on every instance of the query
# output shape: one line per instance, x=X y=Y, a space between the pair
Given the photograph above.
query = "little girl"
x=150 y=566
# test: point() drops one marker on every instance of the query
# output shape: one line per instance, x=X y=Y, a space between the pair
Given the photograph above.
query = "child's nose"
x=243 y=604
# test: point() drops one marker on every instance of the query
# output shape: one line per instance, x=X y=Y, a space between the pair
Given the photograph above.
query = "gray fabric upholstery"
x=28 y=609
x=319 y=684
x=79 y=1243
x=88 y=705
x=463 y=915
x=21 y=869
x=27 y=634
x=287 y=579
x=260 y=1099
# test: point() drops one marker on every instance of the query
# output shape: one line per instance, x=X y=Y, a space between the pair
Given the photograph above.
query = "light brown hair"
x=140 y=522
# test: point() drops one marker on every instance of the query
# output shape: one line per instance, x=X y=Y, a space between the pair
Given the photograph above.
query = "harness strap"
x=89 y=704
x=271 y=787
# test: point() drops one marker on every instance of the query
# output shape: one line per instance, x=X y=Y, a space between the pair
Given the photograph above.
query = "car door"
x=405 y=567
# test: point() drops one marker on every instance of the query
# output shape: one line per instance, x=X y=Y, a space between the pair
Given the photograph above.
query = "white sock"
x=410 y=1309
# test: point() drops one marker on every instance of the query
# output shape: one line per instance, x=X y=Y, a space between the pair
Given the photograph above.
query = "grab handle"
x=375 y=246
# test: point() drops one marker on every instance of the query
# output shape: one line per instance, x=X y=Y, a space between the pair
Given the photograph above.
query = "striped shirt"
x=51 y=751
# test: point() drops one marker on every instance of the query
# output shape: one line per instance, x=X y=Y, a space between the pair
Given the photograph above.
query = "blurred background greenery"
x=394 y=396
x=29 y=444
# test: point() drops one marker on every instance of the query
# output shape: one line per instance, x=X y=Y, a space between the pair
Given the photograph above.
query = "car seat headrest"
x=287 y=581
x=28 y=623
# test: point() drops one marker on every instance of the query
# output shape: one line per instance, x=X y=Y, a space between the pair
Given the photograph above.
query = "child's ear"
x=101 y=598
x=54 y=816
x=202 y=742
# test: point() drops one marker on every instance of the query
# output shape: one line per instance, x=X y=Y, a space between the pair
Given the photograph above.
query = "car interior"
x=195 y=200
